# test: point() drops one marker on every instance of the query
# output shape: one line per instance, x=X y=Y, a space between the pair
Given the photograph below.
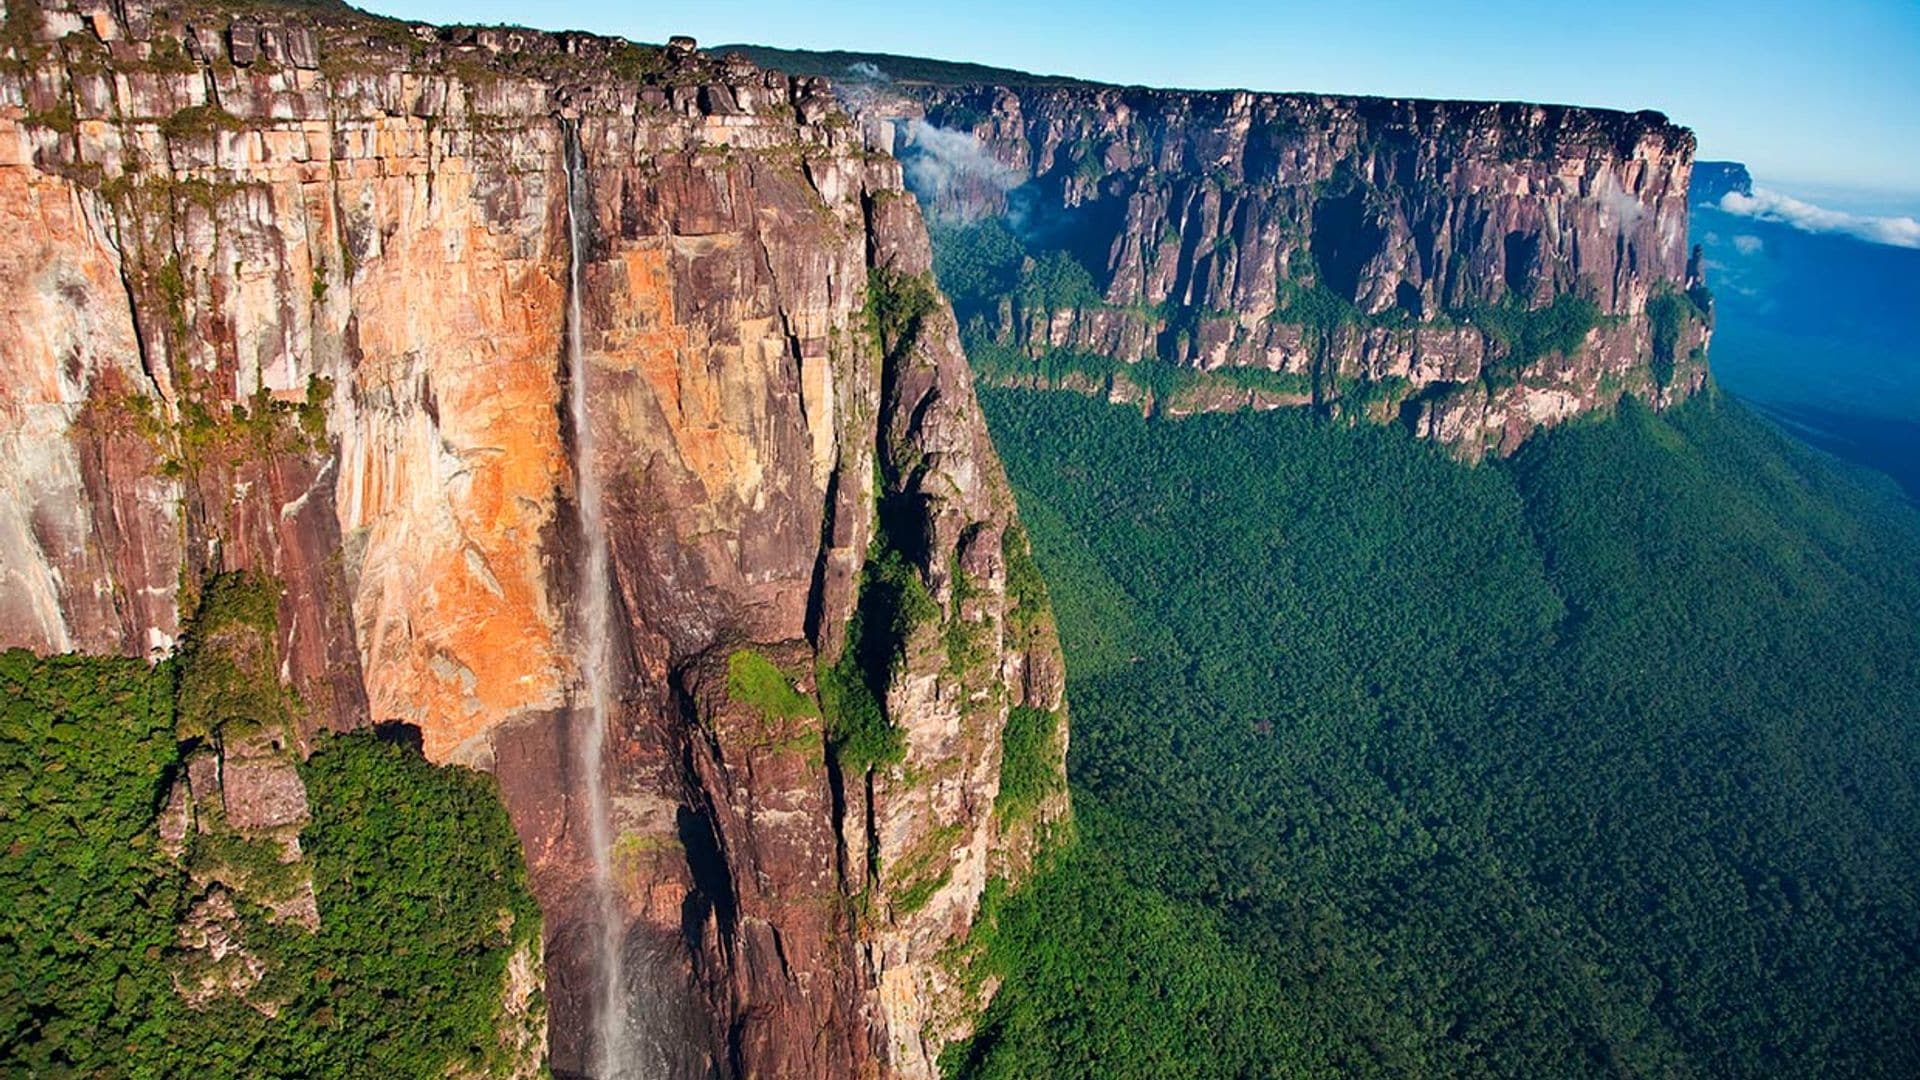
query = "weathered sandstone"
x=291 y=292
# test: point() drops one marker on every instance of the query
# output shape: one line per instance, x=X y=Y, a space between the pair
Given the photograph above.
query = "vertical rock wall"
x=295 y=299
x=1376 y=252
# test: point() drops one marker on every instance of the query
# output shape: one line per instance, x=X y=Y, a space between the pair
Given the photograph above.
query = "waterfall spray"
x=612 y=1038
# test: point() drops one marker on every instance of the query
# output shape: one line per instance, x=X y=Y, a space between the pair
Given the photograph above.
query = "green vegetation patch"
x=423 y=898
x=1165 y=383
x=977 y=263
x=858 y=731
x=757 y=681
x=229 y=683
x=1527 y=334
x=211 y=434
x=995 y=363
x=1056 y=281
x=1597 y=761
x=421 y=890
x=922 y=871
x=87 y=900
x=1029 y=772
x=1026 y=587
x=59 y=118
x=199 y=121
x=893 y=603
x=1669 y=311
x=1107 y=978
x=895 y=306
x=968 y=654
x=1315 y=307
x=981 y=263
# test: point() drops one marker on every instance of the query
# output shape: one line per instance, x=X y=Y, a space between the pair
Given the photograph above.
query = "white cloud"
x=1748 y=245
x=1625 y=207
x=1765 y=205
x=942 y=162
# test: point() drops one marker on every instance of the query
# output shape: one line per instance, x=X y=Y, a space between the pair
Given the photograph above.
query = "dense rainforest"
x=1600 y=760
x=133 y=952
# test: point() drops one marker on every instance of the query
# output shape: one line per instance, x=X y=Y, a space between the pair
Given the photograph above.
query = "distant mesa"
x=1713 y=180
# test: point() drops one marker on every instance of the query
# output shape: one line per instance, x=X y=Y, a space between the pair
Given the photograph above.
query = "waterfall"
x=617 y=1051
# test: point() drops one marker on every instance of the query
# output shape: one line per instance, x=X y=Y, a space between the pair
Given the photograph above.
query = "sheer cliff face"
x=1217 y=226
x=289 y=294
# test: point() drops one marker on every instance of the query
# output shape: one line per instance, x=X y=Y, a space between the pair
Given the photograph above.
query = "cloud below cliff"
x=943 y=161
x=1765 y=205
x=946 y=168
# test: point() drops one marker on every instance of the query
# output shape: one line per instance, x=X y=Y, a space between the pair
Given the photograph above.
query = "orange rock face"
x=450 y=462
x=292 y=294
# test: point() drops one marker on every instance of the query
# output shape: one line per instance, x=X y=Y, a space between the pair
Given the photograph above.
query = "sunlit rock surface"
x=1216 y=224
x=288 y=294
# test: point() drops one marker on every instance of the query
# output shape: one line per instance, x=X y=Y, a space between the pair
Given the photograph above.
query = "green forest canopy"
x=1597 y=761
x=421 y=889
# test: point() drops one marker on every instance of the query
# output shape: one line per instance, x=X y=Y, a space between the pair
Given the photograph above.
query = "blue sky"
x=1815 y=95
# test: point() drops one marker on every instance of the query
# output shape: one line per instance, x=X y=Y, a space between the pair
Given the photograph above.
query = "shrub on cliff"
x=227 y=674
x=1669 y=312
x=1528 y=334
x=754 y=680
x=1029 y=772
x=894 y=603
x=896 y=304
